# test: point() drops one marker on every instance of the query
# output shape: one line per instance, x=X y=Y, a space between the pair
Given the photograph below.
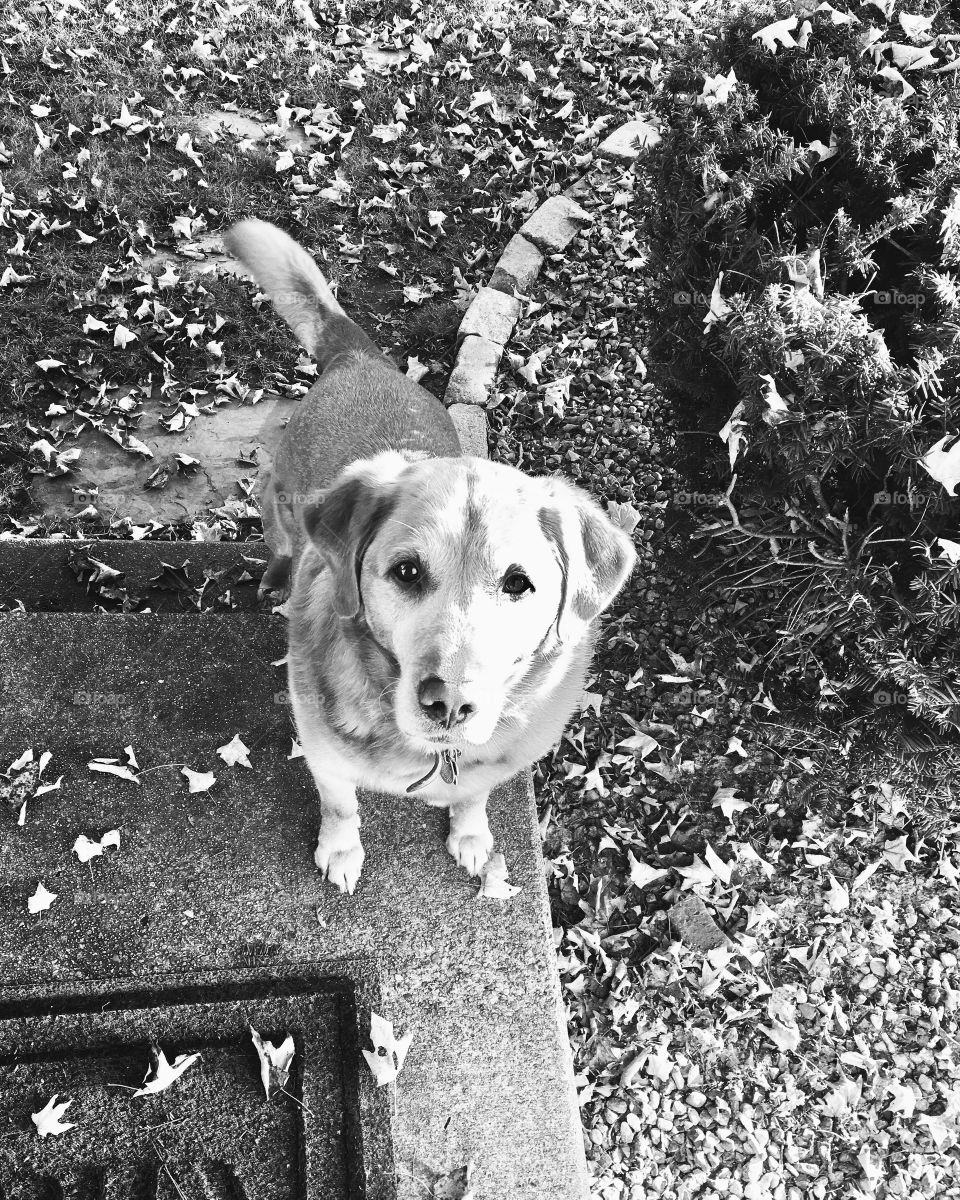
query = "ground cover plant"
x=753 y=906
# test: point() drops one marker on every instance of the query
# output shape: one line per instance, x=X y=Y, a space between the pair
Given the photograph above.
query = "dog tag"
x=449 y=768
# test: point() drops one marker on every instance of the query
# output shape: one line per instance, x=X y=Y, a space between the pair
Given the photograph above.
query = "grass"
x=91 y=196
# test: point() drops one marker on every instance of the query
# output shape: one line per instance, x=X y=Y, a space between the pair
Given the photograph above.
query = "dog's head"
x=468 y=574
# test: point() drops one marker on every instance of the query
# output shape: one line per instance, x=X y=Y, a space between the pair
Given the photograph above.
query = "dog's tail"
x=299 y=292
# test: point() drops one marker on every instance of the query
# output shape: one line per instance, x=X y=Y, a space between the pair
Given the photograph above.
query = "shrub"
x=804 y=232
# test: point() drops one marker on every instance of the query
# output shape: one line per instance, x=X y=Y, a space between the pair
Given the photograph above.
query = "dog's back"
x=360 y=406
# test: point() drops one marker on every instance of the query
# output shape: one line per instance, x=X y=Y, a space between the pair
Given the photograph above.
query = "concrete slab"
x=215 y=882
x=47 y=575
x=219 y=440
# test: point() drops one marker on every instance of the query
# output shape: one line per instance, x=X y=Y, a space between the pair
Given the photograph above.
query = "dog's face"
x=467 y=574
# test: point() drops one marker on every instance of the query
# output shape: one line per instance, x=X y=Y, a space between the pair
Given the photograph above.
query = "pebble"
x=696 y=1099
x=868 y=982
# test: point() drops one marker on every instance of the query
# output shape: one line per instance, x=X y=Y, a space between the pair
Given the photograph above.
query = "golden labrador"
x=442 y=608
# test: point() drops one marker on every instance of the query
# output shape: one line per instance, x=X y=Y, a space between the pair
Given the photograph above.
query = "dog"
x=442 y=608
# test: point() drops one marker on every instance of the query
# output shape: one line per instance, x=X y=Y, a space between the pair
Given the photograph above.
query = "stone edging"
x=494 y=311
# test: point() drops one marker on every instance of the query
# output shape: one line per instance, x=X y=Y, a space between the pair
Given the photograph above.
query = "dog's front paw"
x=340 y=865
x=471 y=850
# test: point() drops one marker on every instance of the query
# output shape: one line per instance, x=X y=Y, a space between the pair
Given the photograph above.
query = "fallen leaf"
x=896 y=853
x=85 y=849
x=41 y=899
x=386 y=1058
x=235 y=752
x=164 y=1073
x=733 y=433
x=274 y=1061
x=200 y=781
x=944 y=465
x=641 y=873
x=495 y=885
x=110 y=766
x=778 y=33
x=837 y=898
x=47 y=1120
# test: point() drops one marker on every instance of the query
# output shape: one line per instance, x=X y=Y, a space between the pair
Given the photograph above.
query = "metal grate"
x=212 y=1135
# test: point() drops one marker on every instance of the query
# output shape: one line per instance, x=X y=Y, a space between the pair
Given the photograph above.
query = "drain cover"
x=212 y=1135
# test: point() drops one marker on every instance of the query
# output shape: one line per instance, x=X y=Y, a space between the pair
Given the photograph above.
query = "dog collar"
x=445 y=761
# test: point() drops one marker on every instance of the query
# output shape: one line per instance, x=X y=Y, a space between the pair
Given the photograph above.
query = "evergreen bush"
x=803 y=226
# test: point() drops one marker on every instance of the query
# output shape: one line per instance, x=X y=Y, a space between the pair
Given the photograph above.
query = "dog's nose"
x=443 y=702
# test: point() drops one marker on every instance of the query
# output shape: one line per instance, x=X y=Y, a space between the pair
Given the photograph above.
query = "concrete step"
x=55 y=575
x=212 y=914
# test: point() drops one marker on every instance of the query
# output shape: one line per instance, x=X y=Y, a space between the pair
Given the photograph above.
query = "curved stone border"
x=494 y=311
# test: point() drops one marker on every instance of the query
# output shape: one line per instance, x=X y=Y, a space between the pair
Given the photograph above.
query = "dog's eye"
x=516 y=583
x=406 y=571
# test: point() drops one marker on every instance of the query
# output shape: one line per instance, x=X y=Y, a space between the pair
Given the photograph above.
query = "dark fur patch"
x=552 y=528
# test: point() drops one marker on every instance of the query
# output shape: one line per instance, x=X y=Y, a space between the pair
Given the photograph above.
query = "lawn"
x=754 y=905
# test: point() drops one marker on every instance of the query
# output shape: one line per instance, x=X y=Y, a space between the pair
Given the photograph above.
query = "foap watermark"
x=887 y=699
x=894 y=298
x=695 y=499
x=312 y=497
x=687 y=299
x=115 y=701
x=308 y=699
x=937 y=501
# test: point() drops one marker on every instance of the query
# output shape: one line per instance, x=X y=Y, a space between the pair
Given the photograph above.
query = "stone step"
x=212 y=915
x=38 y=574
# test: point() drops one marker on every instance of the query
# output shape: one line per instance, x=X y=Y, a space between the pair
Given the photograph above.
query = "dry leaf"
x=494 y=881
x=274 y=1061
x=110 y=766
x=85 y=849
x=200 y=781
x=386 y=1058
x=41 y=899
x=235 y=752
x=47 y=1120
x=163 y=1072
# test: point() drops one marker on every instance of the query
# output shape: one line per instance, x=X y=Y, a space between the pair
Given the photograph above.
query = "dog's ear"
x=342 y=521
x=595 y=556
